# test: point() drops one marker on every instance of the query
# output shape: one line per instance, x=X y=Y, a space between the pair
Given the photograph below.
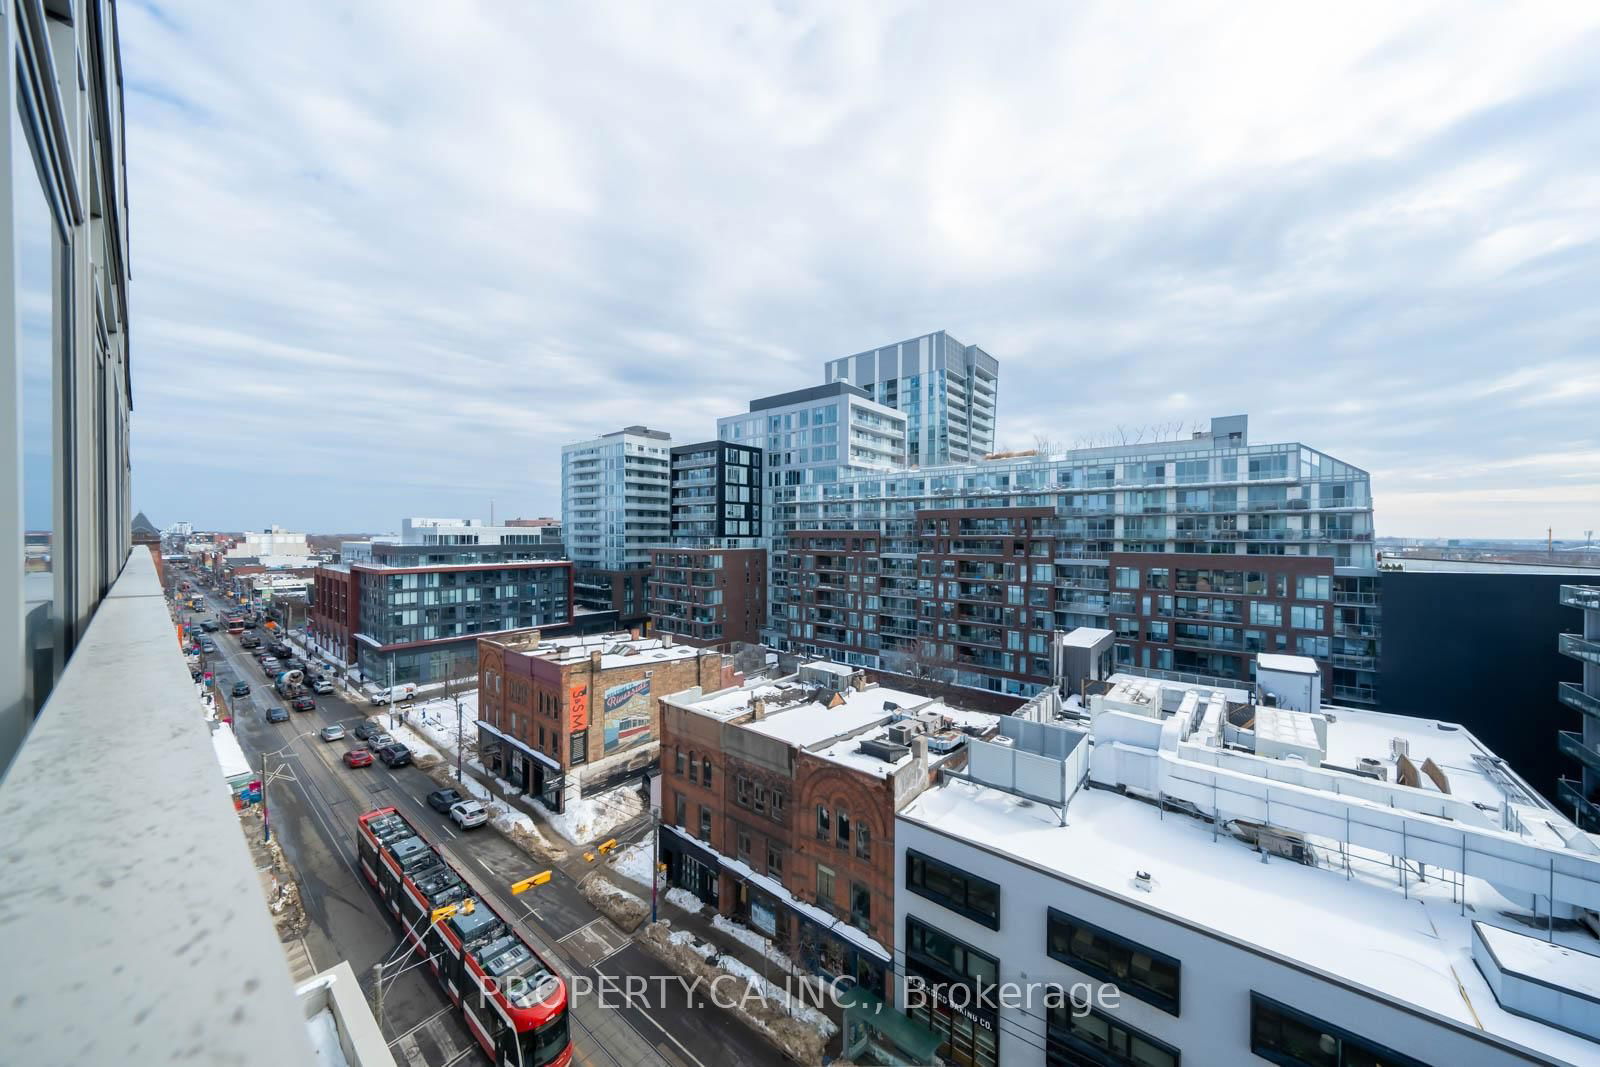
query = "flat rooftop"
x=1361 y=930
x=617 y=649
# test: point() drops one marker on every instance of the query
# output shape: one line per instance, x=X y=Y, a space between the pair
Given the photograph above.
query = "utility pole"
x=377 y=993
x=655 y=855
x=458 y=735
x=266 y=827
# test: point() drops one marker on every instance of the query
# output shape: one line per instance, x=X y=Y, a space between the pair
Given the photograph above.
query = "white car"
x=469 y=813
x=322 y=685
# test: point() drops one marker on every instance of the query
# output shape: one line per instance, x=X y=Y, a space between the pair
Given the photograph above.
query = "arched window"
x=822 y=822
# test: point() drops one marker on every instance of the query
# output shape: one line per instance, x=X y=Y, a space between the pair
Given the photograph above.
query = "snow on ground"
x=633 y=863
x=410 y=738
x=685 y=900
x=700 y=948
x=616 y=892
x=594 y=817
x=751 y=938
x=793 y=1005
x=325 y=1047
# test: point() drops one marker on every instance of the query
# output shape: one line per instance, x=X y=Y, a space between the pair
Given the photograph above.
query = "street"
x=313 y=815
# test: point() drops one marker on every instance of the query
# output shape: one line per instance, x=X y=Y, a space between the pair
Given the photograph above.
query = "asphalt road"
x=313 y=813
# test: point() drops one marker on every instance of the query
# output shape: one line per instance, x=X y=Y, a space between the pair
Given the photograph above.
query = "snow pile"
x=594 y=817
x=700 y=948
x=325 y=1047
x=685 y=900
x=615 y=903
x=794 y=1006
x=633 y=863
x=746 y=936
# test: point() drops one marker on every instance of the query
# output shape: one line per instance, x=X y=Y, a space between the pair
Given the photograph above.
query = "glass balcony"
x=1586 y=812
x=1571 y=744
x=1573 y=696
x=1582 y=597
x=1580 y=648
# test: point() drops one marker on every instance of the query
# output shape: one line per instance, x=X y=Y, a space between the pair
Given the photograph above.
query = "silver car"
x=332 y=733
x=469 y=813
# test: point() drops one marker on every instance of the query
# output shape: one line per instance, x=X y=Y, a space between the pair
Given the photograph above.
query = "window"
x=1282 y=1034
x=1127 y=577
x=822 y=822
x=844 y=830
x=1082 y=1035
x=679 y=815
x=777 y=806
x=824 y=887
x=957 y=959
x=1307 y=588
x=744 y=846
x=705 y=779
x=1265 y=614
x=694 y=767
x=965 y=894
x=863 y=841
x=1136 y=970
x=775 y=861
x=861 y=905
x=760 y=801
x=1305 y=617
x=680 y=761
x=741 y=792
x=580 y=746
x=705 y=823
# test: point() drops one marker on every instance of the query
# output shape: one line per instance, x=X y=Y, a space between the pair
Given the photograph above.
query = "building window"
x=744 y=846
x=822 y=822
x=1127 y=577
x=863 y=841
x=694 y=767
x=760 y=798
x=777 y=806
x=861 y=906
x=741 y=792
x=1075 y=1034
x=679 y=815
x=705 y=823
x=965 y=894
x=1281 y=1034
x=824 y=888
x=680 y=761
x=705 y=777
x=775 y=861
x=580 y=746
x=956 y=959
x=844 y=830
x=1138 y=971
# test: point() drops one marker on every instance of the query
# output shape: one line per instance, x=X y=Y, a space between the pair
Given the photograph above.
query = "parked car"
x=249 y=641
x=303 y=704
x=358 y=757
x=442 y=800
x=277 y=715
x=365 y=729
x=332 y=732
x=208 y=646
x=322 y=685
x=241 y=689
x=395 y=754
x=380 y=740
x=209 y=627
x=469 y=813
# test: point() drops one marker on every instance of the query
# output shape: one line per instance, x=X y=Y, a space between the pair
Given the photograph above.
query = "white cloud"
x=415 y=255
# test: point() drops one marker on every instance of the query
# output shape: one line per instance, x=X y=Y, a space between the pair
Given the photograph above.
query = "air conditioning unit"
x=1399 y=746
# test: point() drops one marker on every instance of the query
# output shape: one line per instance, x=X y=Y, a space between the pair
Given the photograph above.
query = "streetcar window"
x=543 y=1045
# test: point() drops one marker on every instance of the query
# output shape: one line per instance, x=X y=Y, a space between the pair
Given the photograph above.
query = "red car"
x=358 y=757
x=303 y=704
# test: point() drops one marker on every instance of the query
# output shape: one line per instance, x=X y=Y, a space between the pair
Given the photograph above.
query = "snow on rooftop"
x=1084 y=637
x=1534 y=957
x=1277 y=661
x=814 y=721
x=1363 y=930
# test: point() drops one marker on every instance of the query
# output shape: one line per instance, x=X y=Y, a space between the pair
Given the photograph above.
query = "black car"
x=277 y=715
x=365 y=729
x=441 y=799
x=209 y=627
x=395 y=755
x=241 y=689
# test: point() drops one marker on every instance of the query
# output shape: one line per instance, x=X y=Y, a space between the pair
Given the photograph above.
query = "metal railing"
x=1582 y=597
x=135 y=900
x=1579 y=648
x=1573 y=696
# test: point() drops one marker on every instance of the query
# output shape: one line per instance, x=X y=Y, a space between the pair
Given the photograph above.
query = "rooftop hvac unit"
x=900 y=733
x=1399 y=746
x=1004 y=741
x=1371 y=768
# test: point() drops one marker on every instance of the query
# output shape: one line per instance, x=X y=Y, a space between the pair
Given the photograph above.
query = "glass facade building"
x=1214 y=495
x=64 y=309
x=948 y=392
x=615 y=505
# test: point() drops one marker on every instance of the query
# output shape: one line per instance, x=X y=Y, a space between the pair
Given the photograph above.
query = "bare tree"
x=926 y=668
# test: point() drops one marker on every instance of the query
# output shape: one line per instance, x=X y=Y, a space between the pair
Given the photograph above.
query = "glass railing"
x=1573 y=696
x=1580 y=648
x=1572 y=745
x=1582 y=597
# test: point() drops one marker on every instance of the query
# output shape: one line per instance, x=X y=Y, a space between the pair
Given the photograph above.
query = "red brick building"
x=559 y=717
x=710 y=597
x=778 y=805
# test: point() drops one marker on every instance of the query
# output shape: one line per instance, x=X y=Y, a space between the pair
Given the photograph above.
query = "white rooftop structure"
x=1359 y=849
x=1083 y=637
x=1269 y=661
x=616 y=649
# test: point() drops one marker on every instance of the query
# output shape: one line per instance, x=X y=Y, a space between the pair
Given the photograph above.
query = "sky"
x=388 y=258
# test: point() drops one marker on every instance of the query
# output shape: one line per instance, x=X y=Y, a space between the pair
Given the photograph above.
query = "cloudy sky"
x=389 y=257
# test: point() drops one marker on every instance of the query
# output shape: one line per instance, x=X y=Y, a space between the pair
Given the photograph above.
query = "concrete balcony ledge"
x=129 y=907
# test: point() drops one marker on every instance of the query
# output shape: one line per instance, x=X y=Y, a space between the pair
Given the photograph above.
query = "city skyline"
x=1148 y=236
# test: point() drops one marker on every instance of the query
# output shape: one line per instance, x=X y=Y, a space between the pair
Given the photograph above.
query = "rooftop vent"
x=1142 y=881
x=887 y=751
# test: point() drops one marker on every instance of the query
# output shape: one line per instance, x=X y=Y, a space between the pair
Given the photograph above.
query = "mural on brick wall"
x=627 y=714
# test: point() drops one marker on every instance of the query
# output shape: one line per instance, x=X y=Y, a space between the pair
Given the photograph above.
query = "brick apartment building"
x=561 y=717
x=710 y=597
x=778 y=806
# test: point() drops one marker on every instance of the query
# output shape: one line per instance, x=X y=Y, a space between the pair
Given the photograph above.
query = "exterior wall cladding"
x=709 y=597
x=716 y=492
x=756 y=799
x=967 y=569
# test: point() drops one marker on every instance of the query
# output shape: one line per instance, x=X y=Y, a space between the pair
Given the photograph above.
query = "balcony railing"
x=141 y=905
x=1582 y=597
x=1587 y=812
x=1580 y=648
x=1573 y=696
x=1572 y=745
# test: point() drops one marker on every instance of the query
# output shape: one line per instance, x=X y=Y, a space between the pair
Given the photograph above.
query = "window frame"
x=1171 y=1005
x=1259 y=1001
x=963 y=907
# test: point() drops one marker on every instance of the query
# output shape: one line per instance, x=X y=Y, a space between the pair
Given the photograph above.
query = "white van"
x=404 y=691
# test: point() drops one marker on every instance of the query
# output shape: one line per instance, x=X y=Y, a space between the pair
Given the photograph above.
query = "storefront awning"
x=520 y=746
x=913 y=1040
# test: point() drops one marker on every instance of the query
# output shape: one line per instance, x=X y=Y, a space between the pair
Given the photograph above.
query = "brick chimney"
x=759 y=707
x=858 y=681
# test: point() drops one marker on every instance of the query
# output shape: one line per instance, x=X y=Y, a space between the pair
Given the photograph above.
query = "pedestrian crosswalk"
x=301 y=966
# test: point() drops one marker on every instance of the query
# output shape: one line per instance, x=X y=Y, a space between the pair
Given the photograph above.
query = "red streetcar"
x=236 y=626
x=513 y=1002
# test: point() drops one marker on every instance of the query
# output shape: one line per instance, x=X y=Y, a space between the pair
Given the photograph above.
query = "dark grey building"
x=1582 y=645
x=716 y=492
x=1476 y=643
